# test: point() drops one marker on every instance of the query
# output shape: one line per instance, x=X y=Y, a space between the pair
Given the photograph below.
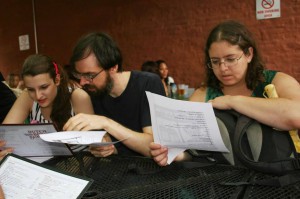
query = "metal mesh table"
x=138 y=177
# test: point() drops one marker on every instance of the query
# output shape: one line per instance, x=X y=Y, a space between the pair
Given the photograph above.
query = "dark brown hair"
x=103 y=46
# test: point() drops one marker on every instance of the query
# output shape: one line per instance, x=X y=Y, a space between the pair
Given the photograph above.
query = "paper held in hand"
x=181 y=125
x=92 y=138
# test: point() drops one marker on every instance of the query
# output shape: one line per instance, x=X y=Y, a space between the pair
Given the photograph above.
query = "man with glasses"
x=118 y=97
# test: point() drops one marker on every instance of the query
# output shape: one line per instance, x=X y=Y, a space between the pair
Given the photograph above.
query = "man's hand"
x=103 y=151
x=85 y=122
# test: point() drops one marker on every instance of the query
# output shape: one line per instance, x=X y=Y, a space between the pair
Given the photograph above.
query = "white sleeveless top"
x=36 y=115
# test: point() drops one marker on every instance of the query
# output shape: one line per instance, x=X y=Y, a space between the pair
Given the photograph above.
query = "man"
x=118 y=97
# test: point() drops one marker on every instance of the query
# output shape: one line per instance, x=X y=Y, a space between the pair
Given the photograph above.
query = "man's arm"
x=136 y=141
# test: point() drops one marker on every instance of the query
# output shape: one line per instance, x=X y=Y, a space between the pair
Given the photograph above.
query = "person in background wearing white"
x=164 y=74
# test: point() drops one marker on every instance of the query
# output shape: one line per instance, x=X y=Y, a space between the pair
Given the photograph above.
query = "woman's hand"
x=1 y=193
x=159 y=154
x=222 y=102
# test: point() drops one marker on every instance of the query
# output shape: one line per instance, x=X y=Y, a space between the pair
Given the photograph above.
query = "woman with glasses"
x=235 y=79
x=48 y=97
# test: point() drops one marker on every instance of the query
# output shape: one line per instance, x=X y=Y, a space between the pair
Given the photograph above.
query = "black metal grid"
x=137 y=177
x=256 y=191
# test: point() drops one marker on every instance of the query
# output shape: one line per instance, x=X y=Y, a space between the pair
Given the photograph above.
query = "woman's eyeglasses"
x=228 y=62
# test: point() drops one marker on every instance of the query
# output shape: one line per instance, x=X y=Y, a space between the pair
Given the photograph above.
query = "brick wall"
x=173 y=30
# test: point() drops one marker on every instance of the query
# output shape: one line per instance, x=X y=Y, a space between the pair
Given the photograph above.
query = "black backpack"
x=275 y=154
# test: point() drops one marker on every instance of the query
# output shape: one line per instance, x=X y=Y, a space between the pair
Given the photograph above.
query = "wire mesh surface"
x=291 y=191
x=137 y=177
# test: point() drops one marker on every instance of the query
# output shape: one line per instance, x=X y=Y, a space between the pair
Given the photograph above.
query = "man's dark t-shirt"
x=131 y=108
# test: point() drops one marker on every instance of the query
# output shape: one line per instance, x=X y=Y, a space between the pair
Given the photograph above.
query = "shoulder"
x=199 y=95
x=79 y=93
x=286 y=86
x=146 y=81
x=145 y=78
x=283 y=77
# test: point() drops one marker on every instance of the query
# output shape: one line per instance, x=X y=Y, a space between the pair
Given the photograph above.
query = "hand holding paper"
x=181 y=125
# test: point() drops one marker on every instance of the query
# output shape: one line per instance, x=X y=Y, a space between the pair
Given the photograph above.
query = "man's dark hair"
x=103 y=46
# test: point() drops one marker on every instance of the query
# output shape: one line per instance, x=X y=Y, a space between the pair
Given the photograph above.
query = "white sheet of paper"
x=26 y=141
x=23 y=180
x=172 y=153
x=179 y=124
x=93 y=138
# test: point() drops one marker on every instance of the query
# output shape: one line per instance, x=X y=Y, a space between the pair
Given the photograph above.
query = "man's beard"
x=92 y=90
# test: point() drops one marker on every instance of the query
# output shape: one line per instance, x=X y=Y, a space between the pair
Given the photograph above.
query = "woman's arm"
x=282 y=113
x=20 y=110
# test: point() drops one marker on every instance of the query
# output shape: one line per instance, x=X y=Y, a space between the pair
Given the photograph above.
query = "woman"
x=47 y=97
x=235 y=79
x=164 y=74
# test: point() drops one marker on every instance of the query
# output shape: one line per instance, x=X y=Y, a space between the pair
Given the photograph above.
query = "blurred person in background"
x=164 y=74
x=150 y=66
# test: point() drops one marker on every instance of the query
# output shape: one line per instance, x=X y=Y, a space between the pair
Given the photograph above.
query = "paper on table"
x=20 y=178
x=179 y=124
x=77 y=137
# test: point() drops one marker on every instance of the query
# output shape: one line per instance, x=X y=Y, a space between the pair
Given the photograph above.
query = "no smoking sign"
x=267 y=4
x=266 y=9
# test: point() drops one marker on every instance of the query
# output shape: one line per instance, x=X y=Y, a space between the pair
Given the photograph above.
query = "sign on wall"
x=24 y=42
x=266 y=9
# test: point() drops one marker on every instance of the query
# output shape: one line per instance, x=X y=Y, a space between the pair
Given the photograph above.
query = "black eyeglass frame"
x=87 y=76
